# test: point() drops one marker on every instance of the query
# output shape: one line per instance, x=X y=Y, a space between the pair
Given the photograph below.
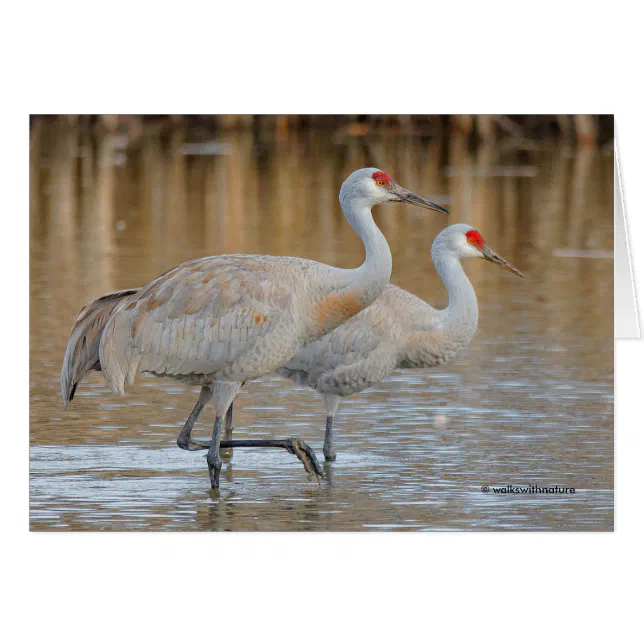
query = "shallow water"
x=529 y=403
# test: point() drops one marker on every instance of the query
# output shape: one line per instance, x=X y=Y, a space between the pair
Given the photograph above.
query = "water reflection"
x=530 y=402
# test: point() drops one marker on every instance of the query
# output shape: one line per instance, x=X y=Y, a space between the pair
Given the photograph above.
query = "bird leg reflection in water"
x=294 y=446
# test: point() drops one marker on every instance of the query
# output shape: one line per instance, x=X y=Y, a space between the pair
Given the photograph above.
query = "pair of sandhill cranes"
x=221 y=321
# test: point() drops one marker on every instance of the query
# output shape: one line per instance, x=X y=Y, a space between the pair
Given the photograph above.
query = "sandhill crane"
x=220 y=321
x=82 y=356
x=398 y=331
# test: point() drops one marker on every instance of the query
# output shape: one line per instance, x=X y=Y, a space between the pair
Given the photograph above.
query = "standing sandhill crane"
x=220 y=321
x=398 y=331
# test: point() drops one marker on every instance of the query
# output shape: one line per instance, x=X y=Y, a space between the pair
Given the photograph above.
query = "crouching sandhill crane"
x=398 y=331
x=220 y=321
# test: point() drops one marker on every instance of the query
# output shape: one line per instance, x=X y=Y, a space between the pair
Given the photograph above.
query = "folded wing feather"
x=196 y=319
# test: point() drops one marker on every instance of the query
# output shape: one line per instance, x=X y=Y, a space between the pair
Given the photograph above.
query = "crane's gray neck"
x=460 y=318
x=436 y=337
x=373 y=275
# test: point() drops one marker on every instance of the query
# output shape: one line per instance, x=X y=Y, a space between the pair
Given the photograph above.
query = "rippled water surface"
x=529 y=403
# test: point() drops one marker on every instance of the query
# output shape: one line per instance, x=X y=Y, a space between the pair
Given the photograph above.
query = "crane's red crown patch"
x=474 y=238
x=382 y=176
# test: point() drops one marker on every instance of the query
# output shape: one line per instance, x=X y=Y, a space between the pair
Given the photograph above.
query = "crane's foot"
x=306 y=455
x=190 y=444
x=294 y=446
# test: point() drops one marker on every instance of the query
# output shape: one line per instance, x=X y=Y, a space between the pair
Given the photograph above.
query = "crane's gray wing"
x=81 y=352
x=100 y=303
x=196 y=319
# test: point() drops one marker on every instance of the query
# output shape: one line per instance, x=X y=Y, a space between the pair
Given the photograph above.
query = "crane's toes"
x=306 y=455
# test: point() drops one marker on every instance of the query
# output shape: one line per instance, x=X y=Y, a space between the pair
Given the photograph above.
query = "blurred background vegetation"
x=584 y=129
x=167 y=188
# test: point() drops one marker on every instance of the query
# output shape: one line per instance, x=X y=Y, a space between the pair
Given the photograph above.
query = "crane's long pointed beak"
x=491 y=256
x=405 y=195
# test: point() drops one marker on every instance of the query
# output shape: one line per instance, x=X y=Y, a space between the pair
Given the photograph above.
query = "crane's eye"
x=380 y=182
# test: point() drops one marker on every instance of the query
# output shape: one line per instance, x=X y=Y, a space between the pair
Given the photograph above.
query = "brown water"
x=529 y=402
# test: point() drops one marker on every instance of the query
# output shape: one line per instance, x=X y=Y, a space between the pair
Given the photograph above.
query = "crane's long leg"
x=329 y=449
x=213 y=458
x=184 y=439
x=331 y=403
x=223 y=393
x=229 y=421
x=292 y=445
x=228 y=430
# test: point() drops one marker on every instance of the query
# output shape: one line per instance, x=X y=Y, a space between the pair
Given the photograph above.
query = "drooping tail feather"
x=81 y=353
